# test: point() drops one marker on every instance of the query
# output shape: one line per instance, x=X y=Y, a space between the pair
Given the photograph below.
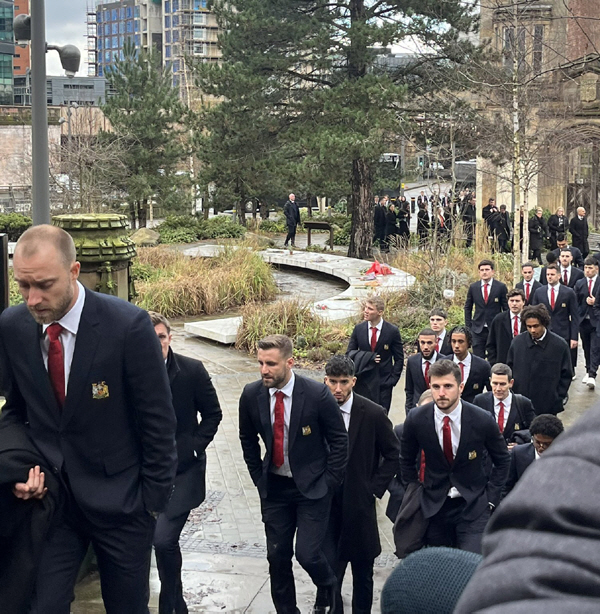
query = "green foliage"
x=187 y=229
x=15 y=297
x=14 y=225
x=220 y=226
x=273 y=226
x=341 y=236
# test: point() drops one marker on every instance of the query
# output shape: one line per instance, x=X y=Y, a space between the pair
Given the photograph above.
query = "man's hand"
x=590 y=300
x=34 y=487
x=573 y=344
x=511 y=446
x=377 y=358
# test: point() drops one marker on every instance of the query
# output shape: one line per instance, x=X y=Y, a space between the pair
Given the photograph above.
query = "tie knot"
x=53 y=331
x=280 y=395
x=446 y=420
x=501 y=405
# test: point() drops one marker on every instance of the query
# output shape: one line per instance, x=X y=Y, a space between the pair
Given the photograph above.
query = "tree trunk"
x=132 y=214
x=361 y=234
x=309 y=204
x=241 y=211
x=142 y=213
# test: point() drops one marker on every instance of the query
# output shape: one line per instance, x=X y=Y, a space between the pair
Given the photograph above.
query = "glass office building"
x=7 y=51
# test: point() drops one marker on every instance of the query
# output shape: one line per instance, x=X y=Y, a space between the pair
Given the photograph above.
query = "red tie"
x=373 y=338
x=552 y=298
x=516 y=327
x=56 y=362
x=485 y=293
x=590 y=287
x=565 y=279
x=501 y=417
x=437 y=344
x=527 y=292
x=278 y=429
x=447 y=440
x=426 y=374
x=462 y=371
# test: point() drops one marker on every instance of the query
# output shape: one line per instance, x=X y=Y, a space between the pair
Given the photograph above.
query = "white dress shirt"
x=528 y=284
x=287 y=390
x=562 y=273
x=430 y=361
x=441 y=338
x=514 y=317
x=378 y=327
x=346 y=409
x=467 y=365
x=556 y=289
x=68 y=335
x=489 y=285
x=455 y=422
x=537 y=455
x=507 y=404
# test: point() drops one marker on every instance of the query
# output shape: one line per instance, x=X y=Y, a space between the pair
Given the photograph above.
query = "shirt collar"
x=567 y=268
x=454 y=415
x=537 y=455
x=377 y=326
x=70 y=321
x=287 y=389
x=489 y=281
x=466 y=361
x=507 y=402
x=430 y=360
x=347 y=406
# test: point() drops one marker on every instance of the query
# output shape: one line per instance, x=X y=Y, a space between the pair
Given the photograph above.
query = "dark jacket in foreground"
x=541 y=549
x=520 y=459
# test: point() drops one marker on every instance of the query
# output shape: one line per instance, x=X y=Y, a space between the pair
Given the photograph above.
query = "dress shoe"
x=585 y=379
x=591 y=383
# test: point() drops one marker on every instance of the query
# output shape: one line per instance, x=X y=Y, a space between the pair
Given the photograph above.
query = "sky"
x=66 y=24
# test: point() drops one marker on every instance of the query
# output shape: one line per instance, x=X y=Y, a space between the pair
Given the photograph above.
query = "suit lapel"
x=263 y=400
x=435 y=442
x=356 y=417
x=513 y=414
x=381 y=339
x=296 y=414
x=465 y=431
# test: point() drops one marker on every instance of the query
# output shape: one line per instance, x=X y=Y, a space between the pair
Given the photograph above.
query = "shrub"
x=187 y=229
x=341 y=236
x=273 y=226
x=14 y=295
x=221 y=226
x=14 y=225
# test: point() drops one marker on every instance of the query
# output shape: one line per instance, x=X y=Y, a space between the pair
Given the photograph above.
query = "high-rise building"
x=22 y=60
x=7 y=49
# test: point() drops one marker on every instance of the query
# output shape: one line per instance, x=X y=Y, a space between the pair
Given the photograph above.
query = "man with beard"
x=84 y=372
x=306 y=446
x=528 y=285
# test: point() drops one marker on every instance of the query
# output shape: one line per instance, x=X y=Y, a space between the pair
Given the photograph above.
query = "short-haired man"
x=438 y=320
x=193 y=395
x=83 y=374
x=587 y=290
x=459 y=491
x=580 y=231
x=561 y=303
x=561 y=242
x=291 y=212
x=505 y=327
x=529 y=285
x=512 y=412
x=569 y=275
x=541 y=363
x=379 y=211
x=376 y=348
x=373 y=460
x=306 y=444
x=417 y=367
x=544 y=429
x=551 y=258
x=502 y=229
x=475 y=372
x=488 y=296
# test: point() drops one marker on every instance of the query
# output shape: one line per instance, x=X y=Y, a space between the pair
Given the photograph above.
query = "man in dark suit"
x=475 y=371
x=580 y=232
x=417 y=368
x=551 y=258
x=383 y=342
x=541 y=363
x=373 y=460
x=561 y=242
x=587 y=290
x=528 y=285
x=459 y=491
x=291 y=211
x=502 y=229
x=505 y=327
x=379 y=212
x=438 y=320
x=561 y=303
x=306 y=444
x=469 y=219
x=544 y=429
x=489 y=298
x=423 y=223
x=193 y=395
x=569 y=275
x=85 y=373
x=512 y=412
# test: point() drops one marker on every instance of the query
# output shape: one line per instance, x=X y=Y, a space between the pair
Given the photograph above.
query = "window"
x=121 y=27
x=168 y=51
x=176 y=65
x=136 y=25
x=199 y=18
x=167 y=6
x=99 y=17
x=175 y=36
x=175 y=5
x=199 y=4
x=168 y=36
x=106 y=29
x=130 y=27
x=175 y=21
x=115 y=42
x=167 y=22
x=122 y=13
x=107 y=56
x=99 y=43
x=509 y=46
x=136 y=38
x=107 y=15
x=114 y=15
x=115 y=28
x=129 y=12
x=538 y=49
x=199 y=34
x=137 y=11
x=100 y=70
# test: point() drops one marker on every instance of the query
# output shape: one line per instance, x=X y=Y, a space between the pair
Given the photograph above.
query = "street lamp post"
x=32 y=28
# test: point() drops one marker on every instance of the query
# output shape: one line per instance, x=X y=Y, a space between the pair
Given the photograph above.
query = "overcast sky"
x=66 y=23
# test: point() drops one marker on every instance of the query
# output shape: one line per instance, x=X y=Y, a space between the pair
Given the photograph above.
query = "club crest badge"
x=472 y=455
x=100 y=390
x=306 y=430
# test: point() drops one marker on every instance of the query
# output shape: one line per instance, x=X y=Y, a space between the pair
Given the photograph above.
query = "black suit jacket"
x=446 y=347
x=115 y=435
x=520 y=458
x=534 y=286
x=379 y=212
x=193 y=395
x=415 y=385
x=468 y=473
x=291 y=211
x=520 y=416
x=576 y=275
x=373 y=460
x=580 y=232
x=484 y=313
x=577 y=256
x=564 y=319
x=500 y=337
x=318 y=441
x=478 y=380
x=389 y=347
x=581 y=291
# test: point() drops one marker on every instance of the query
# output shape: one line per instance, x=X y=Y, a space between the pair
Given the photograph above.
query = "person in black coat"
x=541 y=363
x=457 y=437
x=469 y=219
x=417 y=368
x=403 y=217
x=586 y=290
x=557 y=224
x=580 y=231
x=291 y=211
x=512 y=412
x=373 y=460
x=391 y=226
x=538 y=231
x=299 y=472
x=489 y=213
x=193 y=395
x=505 y=326
x=561 y=241
x=383 y=341
x=488 y=296
x=564 y=313
x=569 y=274
x=423 y=223
x=502 y=228
x=379 y=212
x=544 y=429
x=529 y=285
x=475 y=371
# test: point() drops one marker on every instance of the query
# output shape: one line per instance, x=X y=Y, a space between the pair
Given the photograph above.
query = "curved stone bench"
x=338 y=308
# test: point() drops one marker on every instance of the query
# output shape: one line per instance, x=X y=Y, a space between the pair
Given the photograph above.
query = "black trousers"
x=385 y=398
x=380 y=236
x=287 y=512
x=291 y=235
x=591 y=346
x=168 y=562
x=536 y=254
x=480 y=341
x=123 y=554
x=449 y=528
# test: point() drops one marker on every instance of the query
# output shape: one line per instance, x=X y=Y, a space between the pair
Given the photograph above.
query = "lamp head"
x=22 y=29
x=70 y=58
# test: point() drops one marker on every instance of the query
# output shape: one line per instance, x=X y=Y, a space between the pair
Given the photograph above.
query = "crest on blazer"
x=306 y=430
x=564 y=305
x=386 y=347
x=100 y=391
x=475 y=386
x=472 y=455
x=517 y=427
x=496 y=300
